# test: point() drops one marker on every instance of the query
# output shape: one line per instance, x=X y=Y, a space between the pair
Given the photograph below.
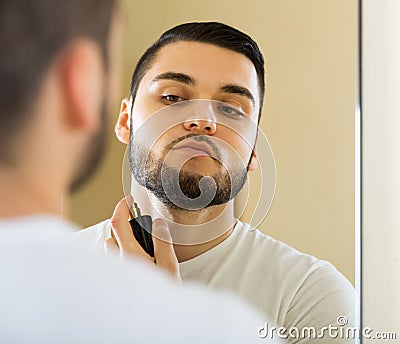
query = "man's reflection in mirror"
x=213 y=61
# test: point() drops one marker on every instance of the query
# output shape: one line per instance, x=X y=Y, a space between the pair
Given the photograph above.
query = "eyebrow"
x=189 y=80
x=236 y=89
x=180 y=77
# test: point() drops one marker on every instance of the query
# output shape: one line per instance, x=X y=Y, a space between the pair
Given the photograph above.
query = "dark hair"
x=32 y=33
x=213 y=33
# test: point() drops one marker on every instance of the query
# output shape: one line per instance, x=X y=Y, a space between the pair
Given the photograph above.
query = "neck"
x=23 y=194
x=186 y=252
x=193 y=231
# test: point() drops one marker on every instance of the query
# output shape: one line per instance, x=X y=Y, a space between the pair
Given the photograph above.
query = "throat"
x=193 y=232
x=187 y=252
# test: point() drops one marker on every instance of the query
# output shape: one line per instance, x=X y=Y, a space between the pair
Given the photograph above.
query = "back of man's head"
x=32 y=35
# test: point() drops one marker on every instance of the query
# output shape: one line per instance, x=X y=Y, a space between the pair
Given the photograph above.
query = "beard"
x=93 y=155
x=183 y=190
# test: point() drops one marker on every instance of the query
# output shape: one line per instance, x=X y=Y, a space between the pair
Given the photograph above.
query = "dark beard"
x=93 y=156
x=181 y=189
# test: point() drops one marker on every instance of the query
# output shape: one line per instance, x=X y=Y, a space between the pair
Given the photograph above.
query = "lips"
x=195 y=148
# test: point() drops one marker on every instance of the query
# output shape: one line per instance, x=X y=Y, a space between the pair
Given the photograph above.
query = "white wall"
x=381 y=166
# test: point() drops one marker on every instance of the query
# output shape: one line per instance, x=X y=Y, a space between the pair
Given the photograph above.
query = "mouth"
x=195 y=149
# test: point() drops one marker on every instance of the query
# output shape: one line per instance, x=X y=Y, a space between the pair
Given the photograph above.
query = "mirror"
x=311 y=50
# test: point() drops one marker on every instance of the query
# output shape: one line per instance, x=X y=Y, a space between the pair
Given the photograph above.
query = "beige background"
x=310 y=50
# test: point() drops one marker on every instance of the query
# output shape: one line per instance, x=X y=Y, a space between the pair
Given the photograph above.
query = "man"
x=57 y=60
x=215 y=63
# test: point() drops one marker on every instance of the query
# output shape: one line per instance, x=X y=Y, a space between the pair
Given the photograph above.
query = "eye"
x=231 y=111
x=171 y=99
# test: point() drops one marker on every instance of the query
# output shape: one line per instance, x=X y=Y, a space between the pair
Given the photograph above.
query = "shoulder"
x=305 y=267
x=86 y=281
x=267 y=250
x=322 y=299
x=308 y=285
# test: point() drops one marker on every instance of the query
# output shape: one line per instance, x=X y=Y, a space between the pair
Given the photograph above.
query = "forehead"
x=211 y=66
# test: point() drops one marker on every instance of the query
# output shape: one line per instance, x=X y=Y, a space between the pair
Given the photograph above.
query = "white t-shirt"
x=56 y=289
x=291 y=288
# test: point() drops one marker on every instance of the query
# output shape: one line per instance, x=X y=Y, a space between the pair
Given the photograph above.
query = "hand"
x=124 y=242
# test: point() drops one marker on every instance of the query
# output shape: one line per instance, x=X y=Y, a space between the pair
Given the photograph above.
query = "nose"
x=201 y=126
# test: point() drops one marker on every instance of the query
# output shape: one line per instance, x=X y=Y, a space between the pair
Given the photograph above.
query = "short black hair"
x=214 y=33
x=32 y=33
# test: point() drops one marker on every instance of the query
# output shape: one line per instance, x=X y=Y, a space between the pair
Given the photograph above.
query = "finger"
x=111 y=246
x=164 y=253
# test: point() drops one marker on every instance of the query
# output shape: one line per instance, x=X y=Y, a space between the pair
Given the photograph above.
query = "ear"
x=253 y=161
x=83 y=80
x=122 y=127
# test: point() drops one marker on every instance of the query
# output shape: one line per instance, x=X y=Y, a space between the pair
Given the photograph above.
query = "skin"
x=187 y=71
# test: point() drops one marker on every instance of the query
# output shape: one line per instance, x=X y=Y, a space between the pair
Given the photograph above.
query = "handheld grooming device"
x=142 y=228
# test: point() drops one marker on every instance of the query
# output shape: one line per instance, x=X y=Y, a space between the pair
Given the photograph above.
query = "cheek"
x=241 y=152
x=237 y=144
x=142 y=112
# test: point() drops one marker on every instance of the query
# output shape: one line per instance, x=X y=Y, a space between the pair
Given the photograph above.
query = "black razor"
x=142 y=228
